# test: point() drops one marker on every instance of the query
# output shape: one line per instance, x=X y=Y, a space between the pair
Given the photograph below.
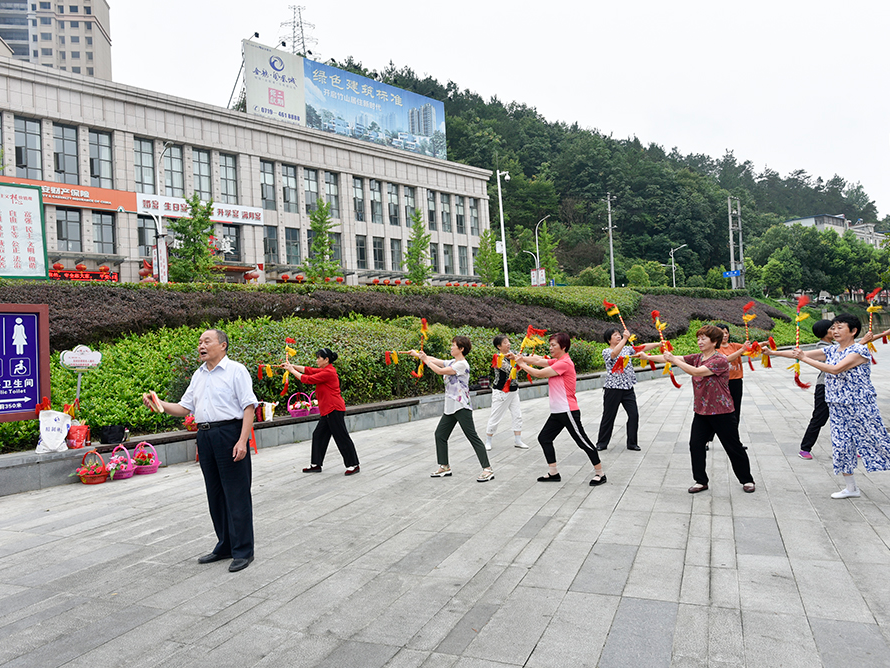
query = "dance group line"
x=222 y=400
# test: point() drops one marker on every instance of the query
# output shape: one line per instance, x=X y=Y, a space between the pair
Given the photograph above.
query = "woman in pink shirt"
x=559 y=370
x=713 y=406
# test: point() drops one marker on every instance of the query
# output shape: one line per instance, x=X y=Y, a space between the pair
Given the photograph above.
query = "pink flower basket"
x=313 y=403
x=296 y=407
x=128 y=469
x=141 y=451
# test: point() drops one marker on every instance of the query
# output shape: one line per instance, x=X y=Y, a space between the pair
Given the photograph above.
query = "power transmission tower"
x=734 y=206
x=299 y=43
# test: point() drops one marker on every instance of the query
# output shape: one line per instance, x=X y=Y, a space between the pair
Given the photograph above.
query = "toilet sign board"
x=24 y=360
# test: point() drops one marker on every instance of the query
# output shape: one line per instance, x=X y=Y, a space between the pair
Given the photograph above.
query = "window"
x=446 y=212
x=62 y=40
x=332 y=189
x=379 y=257
x=73 y=24
x=103 y=233
x=145 y=165
x=90 y=71
x=49 y=52
x=174 y=172
x=337 y=247
x=75 y=39
x=376 y=201
x=361 y=251
x=87 y=10
x=462 y=261
x=46 y=21
x=46 y=36
x=88 y=25
x=73 y=9
x=431 y=208
x=89 y=41
x=61 y=26
x=358 y=198
x=310 y=237
x=474 y=252
x=61 y=55
x=228 y=178
x=292 y=245
x=474 y=216
x=434 y=258
x=201 y=169
x=65 y=154
x=89 y=55
x=45 y=5
x=459 y=218
x=392 y=193
x=267 y=184
x=146 y=233
x=60 y=9
x=76 y=70
x=449 y=263
x=233 y=234
x=270 y=244
x=310 y=176
x=28 y=156
x=395 y=249
x=68 y=230
x=410 y=205
x=289 y=188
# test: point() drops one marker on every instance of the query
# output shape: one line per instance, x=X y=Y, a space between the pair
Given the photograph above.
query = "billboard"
x=24 y=359
x=292 y=89
x=22 y=234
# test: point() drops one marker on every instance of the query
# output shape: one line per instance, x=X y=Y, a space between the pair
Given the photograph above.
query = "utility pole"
x=734 y=208
x=609 y=199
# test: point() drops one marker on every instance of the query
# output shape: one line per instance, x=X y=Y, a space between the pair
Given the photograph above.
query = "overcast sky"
x=786 y=84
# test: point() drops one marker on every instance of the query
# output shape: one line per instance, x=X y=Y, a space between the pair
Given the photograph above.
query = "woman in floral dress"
x=856 y=424
x=458 y=410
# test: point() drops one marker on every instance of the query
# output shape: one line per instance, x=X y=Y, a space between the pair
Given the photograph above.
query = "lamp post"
x=609 y=199
x=506 y=176
x=162 y=266
x=673 y=266
x=537 y=251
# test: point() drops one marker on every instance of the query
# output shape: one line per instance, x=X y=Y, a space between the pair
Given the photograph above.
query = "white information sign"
x=176 y=207
x=273 y=82
x=22 y=235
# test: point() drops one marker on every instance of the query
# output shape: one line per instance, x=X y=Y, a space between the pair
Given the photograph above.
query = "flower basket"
x=120 y=467
x=313 y=404
x=190 y=424
x=150 y=461
x=298 y=407
x=93 y=473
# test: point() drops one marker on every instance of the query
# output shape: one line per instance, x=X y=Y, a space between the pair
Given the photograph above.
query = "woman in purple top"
x=713 y=406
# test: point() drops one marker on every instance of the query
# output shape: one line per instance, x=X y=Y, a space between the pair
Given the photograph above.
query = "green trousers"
x=464 y=417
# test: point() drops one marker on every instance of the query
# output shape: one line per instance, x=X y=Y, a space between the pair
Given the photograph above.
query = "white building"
x=108 y=156
x=840 y=224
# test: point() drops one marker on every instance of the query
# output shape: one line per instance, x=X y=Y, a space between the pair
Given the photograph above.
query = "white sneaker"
x=846 y=494
x=520 y=445
x=488 y=446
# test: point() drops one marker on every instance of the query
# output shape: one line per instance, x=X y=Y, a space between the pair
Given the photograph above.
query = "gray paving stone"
x=642 y=634
x=850 y=644
x=606 y=569
x=577 y=632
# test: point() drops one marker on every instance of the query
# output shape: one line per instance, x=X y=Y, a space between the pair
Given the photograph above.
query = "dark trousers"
x=727 y=431
x=571 y=421
x=817 y=421
x=228 y=490
x=333 y=424
x=463 y=417
x=612 y=399
x=735 y=391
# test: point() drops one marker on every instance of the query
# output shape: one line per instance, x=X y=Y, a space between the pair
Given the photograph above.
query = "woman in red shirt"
x=713 y=406
x=332 y=409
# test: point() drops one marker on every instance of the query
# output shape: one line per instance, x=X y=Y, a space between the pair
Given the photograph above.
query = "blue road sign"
x=729 y=274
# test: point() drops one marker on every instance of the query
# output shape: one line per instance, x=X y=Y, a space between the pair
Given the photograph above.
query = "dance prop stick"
x=755 y=346
x=611 y=309
x=424 y=334
x=665 y=346
x=621 y=362
x=532 y=338
x=872 y=309
x=802 y=301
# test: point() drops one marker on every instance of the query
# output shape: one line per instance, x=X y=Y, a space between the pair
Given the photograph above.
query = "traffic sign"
x=730 y=274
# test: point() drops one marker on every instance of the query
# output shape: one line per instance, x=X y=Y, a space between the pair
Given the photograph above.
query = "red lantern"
x=474 y=285
x=299 y=278
x=466 y=285
x=407 y=281
x=80 y=267
x=327 y=279
x=58 y=266
x=104 y=269
x=284 y=277
x=339 y=279
x=376 y=281
x=385 y=281
x=448 y=285
x=398 y=282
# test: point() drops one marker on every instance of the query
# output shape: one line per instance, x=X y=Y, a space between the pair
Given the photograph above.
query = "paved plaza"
x=393 y=568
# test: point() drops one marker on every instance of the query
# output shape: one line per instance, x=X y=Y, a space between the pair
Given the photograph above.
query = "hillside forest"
x=662 y=199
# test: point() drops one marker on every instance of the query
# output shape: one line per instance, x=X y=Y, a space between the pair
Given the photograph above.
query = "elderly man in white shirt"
x=222 y=400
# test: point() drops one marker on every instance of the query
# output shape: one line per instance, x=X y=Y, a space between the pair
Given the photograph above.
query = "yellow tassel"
x=633 y=337
x=613 y=311
x=796 y=367
x=394 y=357
x=874 y=309
x=871 y=347
x=268 y=371
x=284 y=380
x=289 y=350
x=748 y=317
x=667 y=369
x=802 y=317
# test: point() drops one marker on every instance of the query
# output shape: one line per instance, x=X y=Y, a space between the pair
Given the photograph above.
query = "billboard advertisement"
x=288 y=88
x=22 y=234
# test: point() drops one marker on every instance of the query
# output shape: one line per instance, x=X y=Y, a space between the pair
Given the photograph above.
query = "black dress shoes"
x=633 y=447
x=239 y=564
x=550 y=478
x=213 y=556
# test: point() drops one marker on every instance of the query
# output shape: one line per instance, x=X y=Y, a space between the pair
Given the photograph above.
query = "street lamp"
x=506 y=176
x=673 y=266
x=538 y=252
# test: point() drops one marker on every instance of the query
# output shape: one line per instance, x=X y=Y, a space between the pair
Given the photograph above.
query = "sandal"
x=485 y=476
x=698 y=487
x=598 y=479
x=441 y=472
x=748 y=487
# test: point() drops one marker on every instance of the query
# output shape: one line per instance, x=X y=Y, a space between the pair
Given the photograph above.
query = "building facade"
x=72 y=38
x=840 y=224
x=113 y=161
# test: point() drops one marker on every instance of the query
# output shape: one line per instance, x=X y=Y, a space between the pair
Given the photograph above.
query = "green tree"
x=191 y=257
x=320 y=263
x=417 y=257
x=489 y=264
x=636 y=275
x=658 y=275
x=595 y=276
x=715 y=279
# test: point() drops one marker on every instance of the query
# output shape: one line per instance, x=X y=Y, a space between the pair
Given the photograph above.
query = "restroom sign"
x=24 y=360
